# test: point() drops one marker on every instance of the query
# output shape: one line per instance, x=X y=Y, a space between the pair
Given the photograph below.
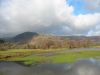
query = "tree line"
x=47 y=42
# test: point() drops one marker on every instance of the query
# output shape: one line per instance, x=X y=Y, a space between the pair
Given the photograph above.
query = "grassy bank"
x=46 y=56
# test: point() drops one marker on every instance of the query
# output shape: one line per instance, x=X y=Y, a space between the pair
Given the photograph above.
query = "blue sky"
x=79 y=5
x=59 y=17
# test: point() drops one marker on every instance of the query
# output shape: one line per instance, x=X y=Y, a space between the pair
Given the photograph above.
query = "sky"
x=57 y=17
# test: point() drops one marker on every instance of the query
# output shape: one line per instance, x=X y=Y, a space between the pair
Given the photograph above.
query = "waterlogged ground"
x=82 y=67
x=51 y=56
x=50 y=62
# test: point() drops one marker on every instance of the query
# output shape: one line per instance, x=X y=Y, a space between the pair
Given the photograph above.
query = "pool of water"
x=82 y=67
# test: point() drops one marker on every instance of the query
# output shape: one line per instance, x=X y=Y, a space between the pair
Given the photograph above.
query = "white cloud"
x=93 y=4
x=87 y=20
x=48 y=16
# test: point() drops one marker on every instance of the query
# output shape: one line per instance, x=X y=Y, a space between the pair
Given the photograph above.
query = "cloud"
x=92 y=5
x=45 y=16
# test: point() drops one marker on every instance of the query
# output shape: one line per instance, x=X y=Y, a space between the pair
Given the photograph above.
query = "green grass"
x=74 y=56
x=96 y=46
x=29 y=57
x=32 y=50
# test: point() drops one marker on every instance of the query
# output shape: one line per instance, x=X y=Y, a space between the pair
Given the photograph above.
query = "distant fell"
x=23 y=37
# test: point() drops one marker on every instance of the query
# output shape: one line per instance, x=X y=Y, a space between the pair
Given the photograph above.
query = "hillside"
x=33 y=40
x=24 y=37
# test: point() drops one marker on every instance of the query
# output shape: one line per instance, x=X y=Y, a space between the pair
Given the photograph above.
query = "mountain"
x=24 y=37
x=28 y=36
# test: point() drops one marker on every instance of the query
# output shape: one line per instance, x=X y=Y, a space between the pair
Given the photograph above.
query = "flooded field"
x=82 y=67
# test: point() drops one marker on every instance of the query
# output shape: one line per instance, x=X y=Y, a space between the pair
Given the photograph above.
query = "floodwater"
x=71 y=50
x=82 y=67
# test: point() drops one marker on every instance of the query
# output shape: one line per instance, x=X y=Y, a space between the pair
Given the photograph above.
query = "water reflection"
x=83 y=67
